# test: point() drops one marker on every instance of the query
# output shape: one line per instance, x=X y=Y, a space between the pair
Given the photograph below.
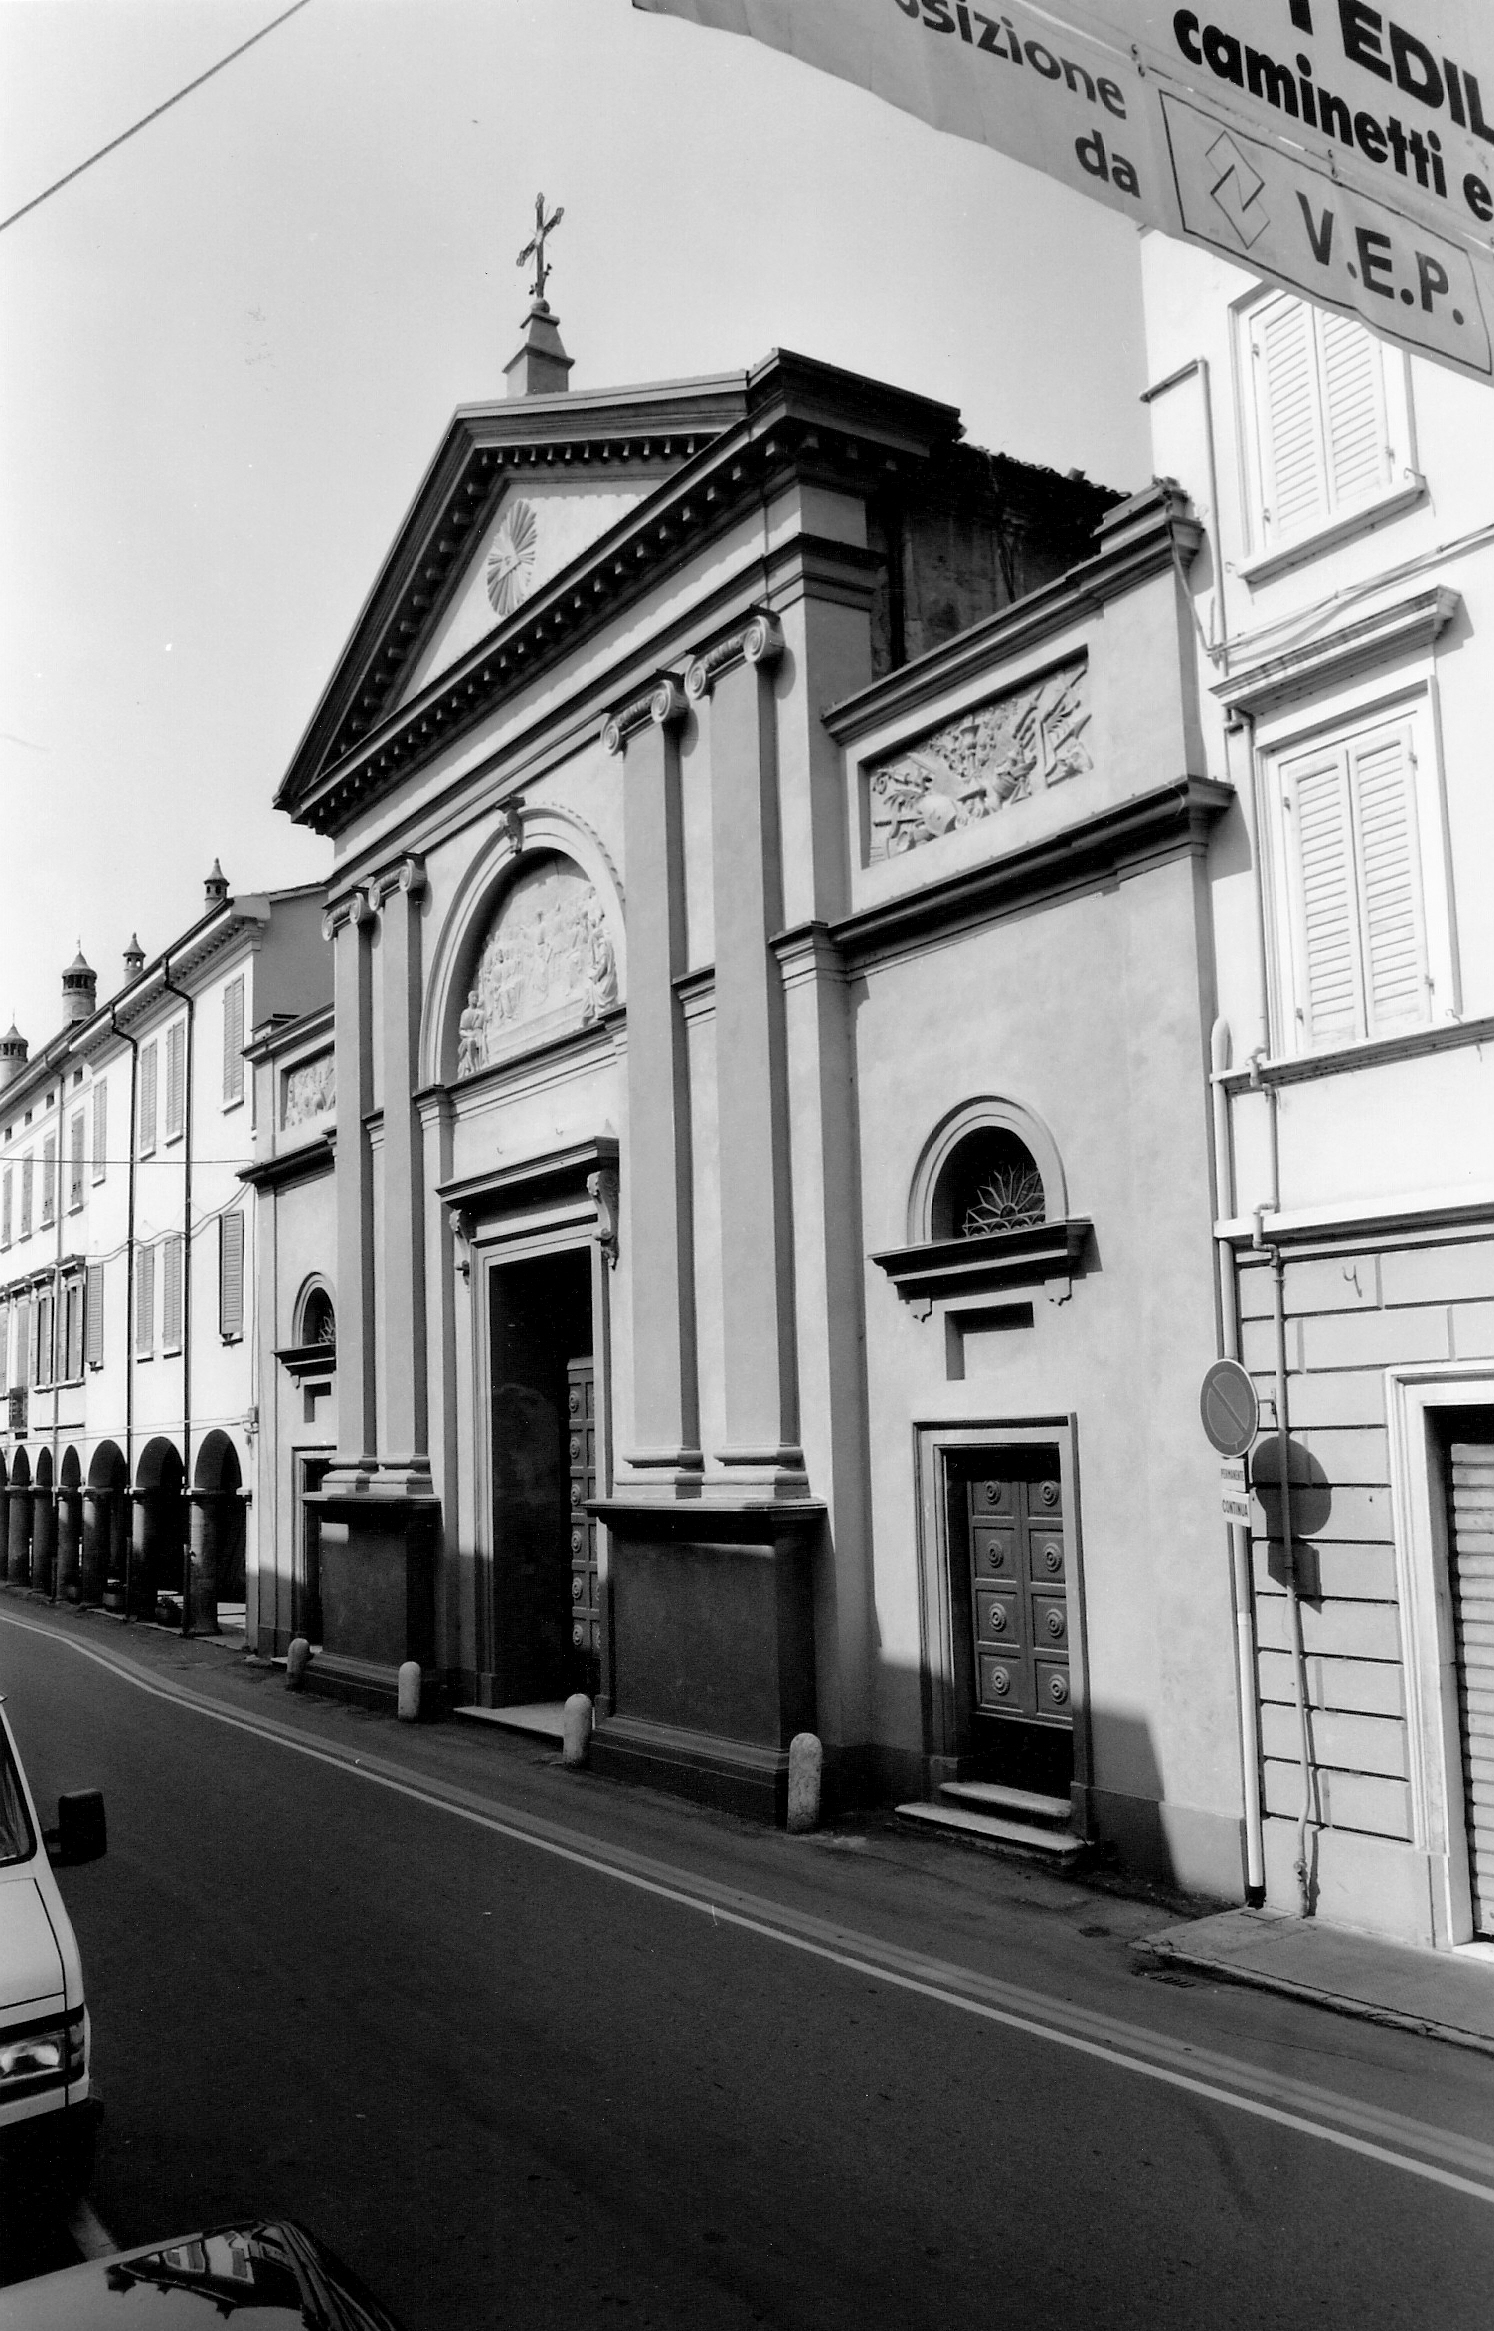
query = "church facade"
x=760 y=1163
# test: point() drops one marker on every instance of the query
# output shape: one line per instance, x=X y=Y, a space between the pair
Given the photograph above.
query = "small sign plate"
x=17 y=1410
x=1234 y=1490
x=1230 y=1410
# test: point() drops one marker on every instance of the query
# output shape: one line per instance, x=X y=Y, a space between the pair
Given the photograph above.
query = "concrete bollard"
x=577 y=1749
x=409 y=1691
x=297 y=1660
x=806 y=1764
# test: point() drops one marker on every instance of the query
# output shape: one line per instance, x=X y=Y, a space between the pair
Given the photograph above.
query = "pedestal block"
x=712 y=1648
x=378 y=1593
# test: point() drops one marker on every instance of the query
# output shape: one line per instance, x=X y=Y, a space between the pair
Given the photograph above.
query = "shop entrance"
x=544 y=1619
x=1010 y=1607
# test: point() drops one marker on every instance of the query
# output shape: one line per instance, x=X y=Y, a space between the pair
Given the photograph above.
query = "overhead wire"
x=154 y=115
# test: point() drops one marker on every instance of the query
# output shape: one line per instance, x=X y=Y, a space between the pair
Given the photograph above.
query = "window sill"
x=1364 y=520
x=231 y=1339
x=1369 y=1052
x=171 y=1140
x=236 y=1103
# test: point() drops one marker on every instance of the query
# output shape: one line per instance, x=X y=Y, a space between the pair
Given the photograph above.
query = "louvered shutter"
x=1354 y=420
x=176 y=1079
x=147 y=1137
x=45 y=1339
x=171 y=1296
x=1293 y=469
x=94 y=1315
x=145 y=1300
x=23 y=1342
x=75 y=1161
x=49 y=1179
x=100 y=1130
x=1382 y=769
x=233 y=1041
x=1319 y=813
x=7 y=1207
x=74 y=1330
x=28 y=1175
x=231 y=1275
x=4 y=1349
x=1471 y=1563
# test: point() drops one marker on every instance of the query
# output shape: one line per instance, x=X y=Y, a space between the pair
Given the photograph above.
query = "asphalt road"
x=514 y=2090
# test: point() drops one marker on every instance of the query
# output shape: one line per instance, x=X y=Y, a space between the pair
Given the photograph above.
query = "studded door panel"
x=586 y=1610
x=1019 y=1600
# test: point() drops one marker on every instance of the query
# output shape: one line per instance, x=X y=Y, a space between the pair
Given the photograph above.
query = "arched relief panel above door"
x=533 y=949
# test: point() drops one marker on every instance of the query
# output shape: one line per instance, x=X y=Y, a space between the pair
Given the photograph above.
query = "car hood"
x=30 y=1960
x=266 y=2276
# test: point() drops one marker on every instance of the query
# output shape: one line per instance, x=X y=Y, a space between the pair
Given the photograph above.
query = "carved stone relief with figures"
x=972 y=767
x=547 y=963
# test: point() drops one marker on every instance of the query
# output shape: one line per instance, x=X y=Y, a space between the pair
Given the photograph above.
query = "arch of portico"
x=105 y=1507
x=19 y=1519
x=217 y=1531
x=158 y=1526
x=69 y=1525
x=43 y=1524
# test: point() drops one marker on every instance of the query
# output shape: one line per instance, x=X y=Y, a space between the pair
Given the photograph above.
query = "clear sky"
x=229 y=350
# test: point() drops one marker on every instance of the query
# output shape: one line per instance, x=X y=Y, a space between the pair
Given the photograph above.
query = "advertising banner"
x=1342 y=150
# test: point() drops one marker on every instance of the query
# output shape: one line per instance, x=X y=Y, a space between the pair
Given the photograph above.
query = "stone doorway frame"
x=934 y=1444
x=1414 y=1398
x=562 y=1204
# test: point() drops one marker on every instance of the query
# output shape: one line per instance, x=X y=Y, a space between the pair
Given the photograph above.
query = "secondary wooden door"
x=1018 y=1589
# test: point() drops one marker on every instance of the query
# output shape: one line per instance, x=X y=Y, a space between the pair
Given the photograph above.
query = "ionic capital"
x=758 y=641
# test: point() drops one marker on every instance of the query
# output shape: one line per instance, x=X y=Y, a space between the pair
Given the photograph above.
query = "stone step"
x=1056 y=1849
x=540 y=1720
x=1009 y=1804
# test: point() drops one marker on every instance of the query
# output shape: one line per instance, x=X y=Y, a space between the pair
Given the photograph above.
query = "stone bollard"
x=297 y=1660
x=409 y=1691
x=577 y=1749
x=806 y=1763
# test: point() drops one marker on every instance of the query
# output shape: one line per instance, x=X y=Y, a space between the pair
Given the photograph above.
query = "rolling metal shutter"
x=1471 y=1561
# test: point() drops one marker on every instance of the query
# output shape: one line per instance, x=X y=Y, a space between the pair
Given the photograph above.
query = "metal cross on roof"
x=535 y=248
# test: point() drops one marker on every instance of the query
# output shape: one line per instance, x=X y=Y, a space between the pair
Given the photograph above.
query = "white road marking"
x=88 y=2232
x=1441 y=2156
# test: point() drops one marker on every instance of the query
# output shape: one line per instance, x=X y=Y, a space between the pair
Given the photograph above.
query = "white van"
x=47 y=2108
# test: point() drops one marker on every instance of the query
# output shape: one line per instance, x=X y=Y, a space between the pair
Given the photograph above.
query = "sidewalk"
x=1442 y=1995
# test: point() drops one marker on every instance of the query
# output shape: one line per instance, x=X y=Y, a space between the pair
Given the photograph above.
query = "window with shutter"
x=1330 y=425
x=1353 y=867
x=231 y=1275
x=146 y=1131
x=7 y=1206
x=44 y=1339
x=28 y=1174
x=100 y=1130
x=94 y=1315
x=76 y=1131
x=233 y=1042
x=171 y=1296
x=145 y=1302
x=49 y=1180
x=74 y=1301
x=4 y=1349
x=176 y=1080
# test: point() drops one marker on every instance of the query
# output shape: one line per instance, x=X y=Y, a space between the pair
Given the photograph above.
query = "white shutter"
x=176 y=1079
x=1289 y=418
x=1354 y=423
x=171 y=1297
x=94 y=1315
x=145 y=1301
x=1471 y=1564
x=4 y=1349
x=28 y=1174
x=233 y=1041
x=100 y=1130
x=49 y=1179
x=23 y=1342
x=75 y=1161
x=1329 y=985
x=74 y=1330
x=147 y=1098
x=7 y=1206
x=1383 y=768
x=231 y=1275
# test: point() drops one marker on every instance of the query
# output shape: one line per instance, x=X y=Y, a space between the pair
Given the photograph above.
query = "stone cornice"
x=301 y=1164
x=808 y=953
x=1407 y=624
x=1149 y=825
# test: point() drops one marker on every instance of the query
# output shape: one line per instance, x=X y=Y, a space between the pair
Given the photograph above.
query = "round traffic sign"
x=1229 y=1408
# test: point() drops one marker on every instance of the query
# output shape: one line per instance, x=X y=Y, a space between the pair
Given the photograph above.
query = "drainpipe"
x=191 y=1052
x=1239 y=1533
x=1283 y=1459
x=134 y=1046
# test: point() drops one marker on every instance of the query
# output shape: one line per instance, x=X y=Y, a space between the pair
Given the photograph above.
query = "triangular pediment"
x=579 y=464
x=541 y=524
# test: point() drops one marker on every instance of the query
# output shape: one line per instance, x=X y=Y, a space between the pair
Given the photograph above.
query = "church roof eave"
x=795 y=414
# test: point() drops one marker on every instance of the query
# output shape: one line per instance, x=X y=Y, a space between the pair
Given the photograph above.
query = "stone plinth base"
x=378 y=1592
x=711 y=1640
